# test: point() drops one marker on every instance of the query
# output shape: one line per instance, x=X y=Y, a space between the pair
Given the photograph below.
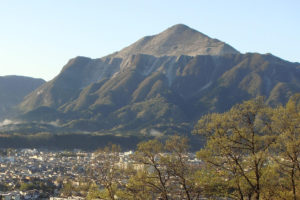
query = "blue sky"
x=37 y=37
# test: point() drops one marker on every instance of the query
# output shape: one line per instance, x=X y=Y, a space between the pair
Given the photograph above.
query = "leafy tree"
x=237 y=147
x=107 y=172
x=166 y=171
x=136 y=187
x=68 y=189
x=154 y=175
x=210 y=182
x=93 y=192
x=286 y=122
x=179 y=168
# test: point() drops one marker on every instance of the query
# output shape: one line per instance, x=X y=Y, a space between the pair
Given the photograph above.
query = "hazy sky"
x=37 y=37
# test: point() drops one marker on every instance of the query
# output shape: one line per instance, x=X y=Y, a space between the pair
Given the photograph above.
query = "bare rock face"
x=175 y=41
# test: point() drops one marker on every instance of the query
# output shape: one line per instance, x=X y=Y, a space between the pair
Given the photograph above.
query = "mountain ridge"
x=135 y=92
x=12 y=91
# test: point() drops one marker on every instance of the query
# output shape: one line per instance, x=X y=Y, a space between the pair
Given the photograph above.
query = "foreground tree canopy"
x=252 y=152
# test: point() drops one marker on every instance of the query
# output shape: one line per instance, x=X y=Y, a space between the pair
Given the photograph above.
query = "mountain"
x=160 y=84
x=12 y=91
x=79 y=72
x=175 y=41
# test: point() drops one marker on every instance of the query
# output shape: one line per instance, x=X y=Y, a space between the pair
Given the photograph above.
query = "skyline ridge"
x=174 y=29
x=36 y=43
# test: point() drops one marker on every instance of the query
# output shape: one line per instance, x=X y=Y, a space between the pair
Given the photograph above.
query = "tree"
x=26 y=186
x=137 y=187
x=154 y=175
x=93 y=192
x=179 y=168
x=286 y=123
x=106 y=171
x=237 y=146
x=166 y=171
x=68 y=189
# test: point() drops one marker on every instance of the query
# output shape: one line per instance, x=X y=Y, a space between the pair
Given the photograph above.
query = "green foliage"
x=27 y=186
x=4 y=187
x=164 y=168
x=45 y=186
x=67 y=189
x=253 y=150
x=135 y=188
x=286 y=122
x=93 y=192
x=107 y=172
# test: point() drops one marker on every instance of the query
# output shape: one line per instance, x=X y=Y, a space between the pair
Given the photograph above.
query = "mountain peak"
x=177 y=40
x=179 y=28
